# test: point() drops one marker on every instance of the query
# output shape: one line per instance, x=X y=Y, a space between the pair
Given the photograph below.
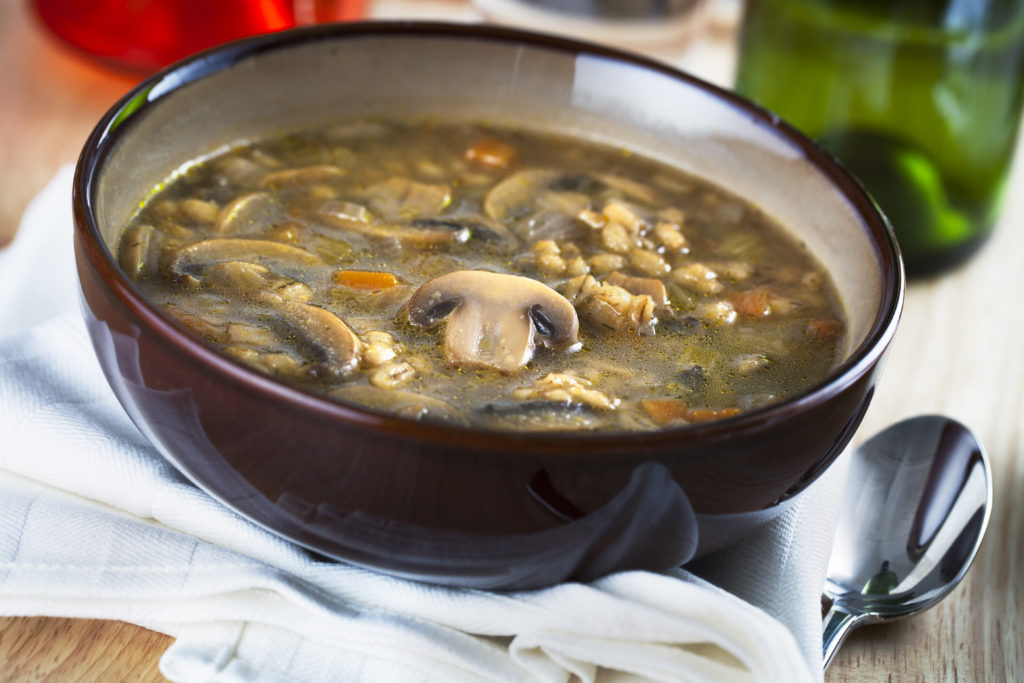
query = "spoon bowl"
x=917 y=503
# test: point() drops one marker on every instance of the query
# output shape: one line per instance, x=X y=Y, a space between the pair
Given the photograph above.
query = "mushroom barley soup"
x=486 y=276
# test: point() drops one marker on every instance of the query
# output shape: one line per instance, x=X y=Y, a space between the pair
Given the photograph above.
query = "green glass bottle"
x=920 y=99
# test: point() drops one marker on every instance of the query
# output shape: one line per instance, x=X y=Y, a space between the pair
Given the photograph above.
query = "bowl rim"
x=103 y=140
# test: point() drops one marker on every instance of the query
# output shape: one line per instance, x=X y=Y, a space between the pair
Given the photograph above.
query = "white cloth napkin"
x=94 y=523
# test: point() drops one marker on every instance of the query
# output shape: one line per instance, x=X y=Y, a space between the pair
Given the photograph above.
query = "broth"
x=495 y=277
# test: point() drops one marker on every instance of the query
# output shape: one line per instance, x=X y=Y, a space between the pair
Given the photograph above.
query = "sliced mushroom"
x=382 y=305
x=247 y=214
x=513 y=196
x=237 y=277
x=426 y=233
x=542 y=188
x=247 y=334
x=133 y=251
x=269 y=362
x=406 y=404
x=631 y=189
x=494 y=320
x=551 y=225
x=558 y=203
x=429 y=232
x=253 y=281
x=302 y=331
x=195 y=210
x=348 y=211
x=304 y=175
x=181 y=263
x=240 y=171
x=482 y=230
x=403 y=199
x=420 y=234
x=564 y=203
x=207 y=329
x=334 y=346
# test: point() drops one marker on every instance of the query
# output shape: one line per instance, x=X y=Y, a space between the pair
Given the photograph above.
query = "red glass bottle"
x=144 y=35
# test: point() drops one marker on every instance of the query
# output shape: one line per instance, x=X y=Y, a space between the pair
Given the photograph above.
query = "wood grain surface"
x=960 y=351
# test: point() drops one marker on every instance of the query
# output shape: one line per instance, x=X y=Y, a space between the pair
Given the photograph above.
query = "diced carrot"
x=364 y=279
x=824 y=329
x=491 y=153
x=664 y=410
x=752 y=303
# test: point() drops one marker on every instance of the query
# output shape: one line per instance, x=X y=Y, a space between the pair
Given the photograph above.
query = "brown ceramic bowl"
x=451 y=504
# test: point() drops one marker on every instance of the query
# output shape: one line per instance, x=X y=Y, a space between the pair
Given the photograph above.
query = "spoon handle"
x=836 y=625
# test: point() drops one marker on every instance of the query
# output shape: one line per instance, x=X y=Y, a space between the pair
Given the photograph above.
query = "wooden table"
x=960 y=351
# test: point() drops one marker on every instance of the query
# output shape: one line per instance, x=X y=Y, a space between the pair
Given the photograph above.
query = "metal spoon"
x=916 y=506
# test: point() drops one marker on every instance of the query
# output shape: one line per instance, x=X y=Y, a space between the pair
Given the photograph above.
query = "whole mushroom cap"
x=494 y=320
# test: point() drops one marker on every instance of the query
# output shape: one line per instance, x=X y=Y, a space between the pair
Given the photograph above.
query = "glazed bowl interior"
x=320 y=78
x=451 y=504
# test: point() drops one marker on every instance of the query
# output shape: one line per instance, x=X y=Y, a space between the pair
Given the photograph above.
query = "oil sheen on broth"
x=486 y=276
